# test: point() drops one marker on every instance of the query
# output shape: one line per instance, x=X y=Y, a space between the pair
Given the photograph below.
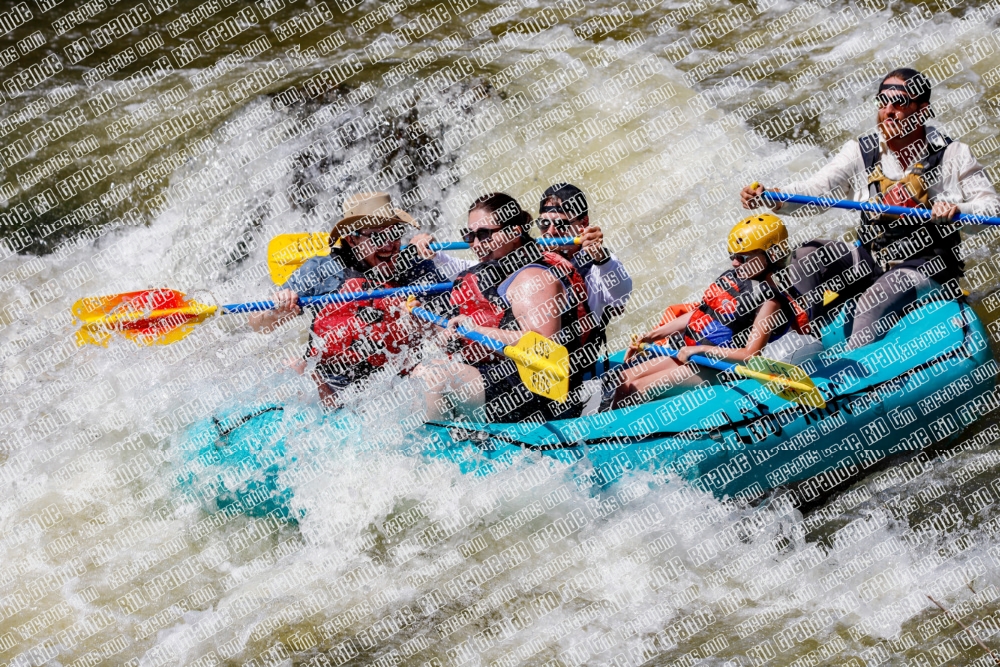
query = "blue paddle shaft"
x=340 y=297
x=869 y=207
x=462 y=245
x=718 y=365
x=474 y=336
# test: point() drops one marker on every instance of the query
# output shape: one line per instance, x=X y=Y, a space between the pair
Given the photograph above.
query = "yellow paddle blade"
x=149 y=317
x=829 y=297
x=542 y=364
x=287 y=252
x=787 y=381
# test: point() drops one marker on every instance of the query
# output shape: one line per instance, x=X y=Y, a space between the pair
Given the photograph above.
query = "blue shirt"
x=318 y=276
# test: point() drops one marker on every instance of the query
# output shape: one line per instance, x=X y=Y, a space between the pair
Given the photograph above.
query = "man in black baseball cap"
x=562 y=212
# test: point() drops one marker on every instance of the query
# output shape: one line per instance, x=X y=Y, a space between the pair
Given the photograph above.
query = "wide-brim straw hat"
x=365 y=210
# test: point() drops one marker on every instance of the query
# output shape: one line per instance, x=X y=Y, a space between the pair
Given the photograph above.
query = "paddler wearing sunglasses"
x=563 y=212
x=349 y=341
x=904 y=163
x=516 y=287
x=738 y=315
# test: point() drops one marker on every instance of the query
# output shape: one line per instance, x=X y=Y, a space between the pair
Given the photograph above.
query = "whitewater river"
x=168 y=156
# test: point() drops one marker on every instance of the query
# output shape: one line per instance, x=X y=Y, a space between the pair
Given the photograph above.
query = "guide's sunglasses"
x=483 y=235
x=899 y=101
x=742 y=258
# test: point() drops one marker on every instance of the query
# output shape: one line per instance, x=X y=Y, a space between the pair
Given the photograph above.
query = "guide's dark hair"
x=504 y=209
x=917 y=84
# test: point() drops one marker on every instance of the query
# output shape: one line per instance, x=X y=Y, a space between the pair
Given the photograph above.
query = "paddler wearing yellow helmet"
x=738 y=314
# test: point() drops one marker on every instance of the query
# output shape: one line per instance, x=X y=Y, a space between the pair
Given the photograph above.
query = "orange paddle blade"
x=149 y=317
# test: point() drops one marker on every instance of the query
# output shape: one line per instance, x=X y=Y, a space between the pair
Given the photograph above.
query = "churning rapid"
x=170 y=156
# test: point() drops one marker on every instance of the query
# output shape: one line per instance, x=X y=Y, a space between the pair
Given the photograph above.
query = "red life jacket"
x=798 y=317
x=576 y=290
x=351 y=339
x=730 y=306
x=477 y=296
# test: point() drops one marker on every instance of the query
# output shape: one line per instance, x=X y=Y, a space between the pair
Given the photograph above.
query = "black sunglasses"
x=561 y=225
x=377 y=238
x=884 y=100
x=483 y=235
x=742 y=258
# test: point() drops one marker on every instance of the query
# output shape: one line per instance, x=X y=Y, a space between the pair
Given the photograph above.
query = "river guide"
x=907 y=163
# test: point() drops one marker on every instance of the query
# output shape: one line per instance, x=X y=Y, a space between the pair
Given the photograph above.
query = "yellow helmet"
x=757 y=232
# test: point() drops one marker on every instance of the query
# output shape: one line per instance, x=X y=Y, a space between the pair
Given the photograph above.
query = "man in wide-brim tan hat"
x=367 y=219
x=364 y=253
x=365 y=210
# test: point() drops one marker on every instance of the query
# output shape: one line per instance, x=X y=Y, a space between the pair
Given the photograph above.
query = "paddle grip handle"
x=474 y=336
x=462 y=245
x=341 y=297
x=869 y=207
x=717 y=364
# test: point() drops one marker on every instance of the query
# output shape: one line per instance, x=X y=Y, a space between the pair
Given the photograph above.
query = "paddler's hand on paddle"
x=635 y=347
x=674 y=324
x=460 y=321
x=751 y=198
x=422 y=242
x=591 y=242
x=422 y=325
x=286 y=305
x=286 y=302
x=942 y=212
x=685 y=353
x=448 y=337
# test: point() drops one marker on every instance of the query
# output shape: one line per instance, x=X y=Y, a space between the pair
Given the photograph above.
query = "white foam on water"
x=105 y=556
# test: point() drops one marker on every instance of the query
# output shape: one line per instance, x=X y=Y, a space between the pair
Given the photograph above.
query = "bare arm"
x=536 y=297
x=286 y=306
x=760 y=333
x=675 y=325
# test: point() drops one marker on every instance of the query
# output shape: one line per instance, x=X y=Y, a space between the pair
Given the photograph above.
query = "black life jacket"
x=892 y=239
x=477 y=295
x=823 y=274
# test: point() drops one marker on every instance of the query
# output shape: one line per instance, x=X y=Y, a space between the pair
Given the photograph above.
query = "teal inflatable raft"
x=930 y=377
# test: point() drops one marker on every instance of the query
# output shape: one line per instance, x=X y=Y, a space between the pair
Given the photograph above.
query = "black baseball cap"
x=571 y=200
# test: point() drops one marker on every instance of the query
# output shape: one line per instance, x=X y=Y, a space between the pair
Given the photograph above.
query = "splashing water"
x=389 y=557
